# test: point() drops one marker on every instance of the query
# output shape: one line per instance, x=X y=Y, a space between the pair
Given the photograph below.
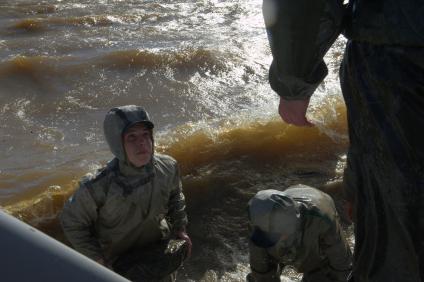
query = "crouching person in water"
x=131 y=216
x=298 y=227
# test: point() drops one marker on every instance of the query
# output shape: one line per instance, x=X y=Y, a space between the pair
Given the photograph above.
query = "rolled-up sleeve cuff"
x=291 y=87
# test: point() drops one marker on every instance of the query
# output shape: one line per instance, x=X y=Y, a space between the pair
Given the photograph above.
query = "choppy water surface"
x=200 y=68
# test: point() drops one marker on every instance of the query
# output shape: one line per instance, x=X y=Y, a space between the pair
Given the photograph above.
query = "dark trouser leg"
x=158 y=262
x=384 y=92
x=420 y=229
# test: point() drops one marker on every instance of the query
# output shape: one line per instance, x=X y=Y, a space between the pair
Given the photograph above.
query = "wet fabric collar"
x=127 y=170
x=130 y=178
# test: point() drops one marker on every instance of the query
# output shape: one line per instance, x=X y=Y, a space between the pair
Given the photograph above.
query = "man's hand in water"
x=294 y=111
x=183 y=235
x=104 y=263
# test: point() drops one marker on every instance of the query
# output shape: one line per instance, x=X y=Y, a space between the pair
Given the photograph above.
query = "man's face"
x=138 y=145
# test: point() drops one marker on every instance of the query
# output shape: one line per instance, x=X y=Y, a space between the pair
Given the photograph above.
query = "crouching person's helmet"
x=275 y=222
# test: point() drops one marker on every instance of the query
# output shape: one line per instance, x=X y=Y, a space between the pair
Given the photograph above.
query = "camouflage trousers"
x=155 y=263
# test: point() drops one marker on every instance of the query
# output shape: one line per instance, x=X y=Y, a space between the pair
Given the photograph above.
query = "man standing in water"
x=382 y=79
x=298 y=227
x=131 y=216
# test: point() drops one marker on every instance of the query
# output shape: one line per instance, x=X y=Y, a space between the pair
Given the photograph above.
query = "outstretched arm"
x=300 y=34
x=263 y=267
x=176 y=213
x=338 y=253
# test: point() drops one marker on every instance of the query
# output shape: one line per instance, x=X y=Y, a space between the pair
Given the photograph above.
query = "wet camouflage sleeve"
x=299 y=38
x=263 y=267
x=77 y=219
x=337 y=251
x=176 y=206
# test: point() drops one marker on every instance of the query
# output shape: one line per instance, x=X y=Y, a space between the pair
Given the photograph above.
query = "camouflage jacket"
x=123 y=208
x=321 y=244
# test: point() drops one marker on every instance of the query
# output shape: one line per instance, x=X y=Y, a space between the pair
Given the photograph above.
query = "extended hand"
x=183 y=235
x=103 y=262
x=294 y=111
